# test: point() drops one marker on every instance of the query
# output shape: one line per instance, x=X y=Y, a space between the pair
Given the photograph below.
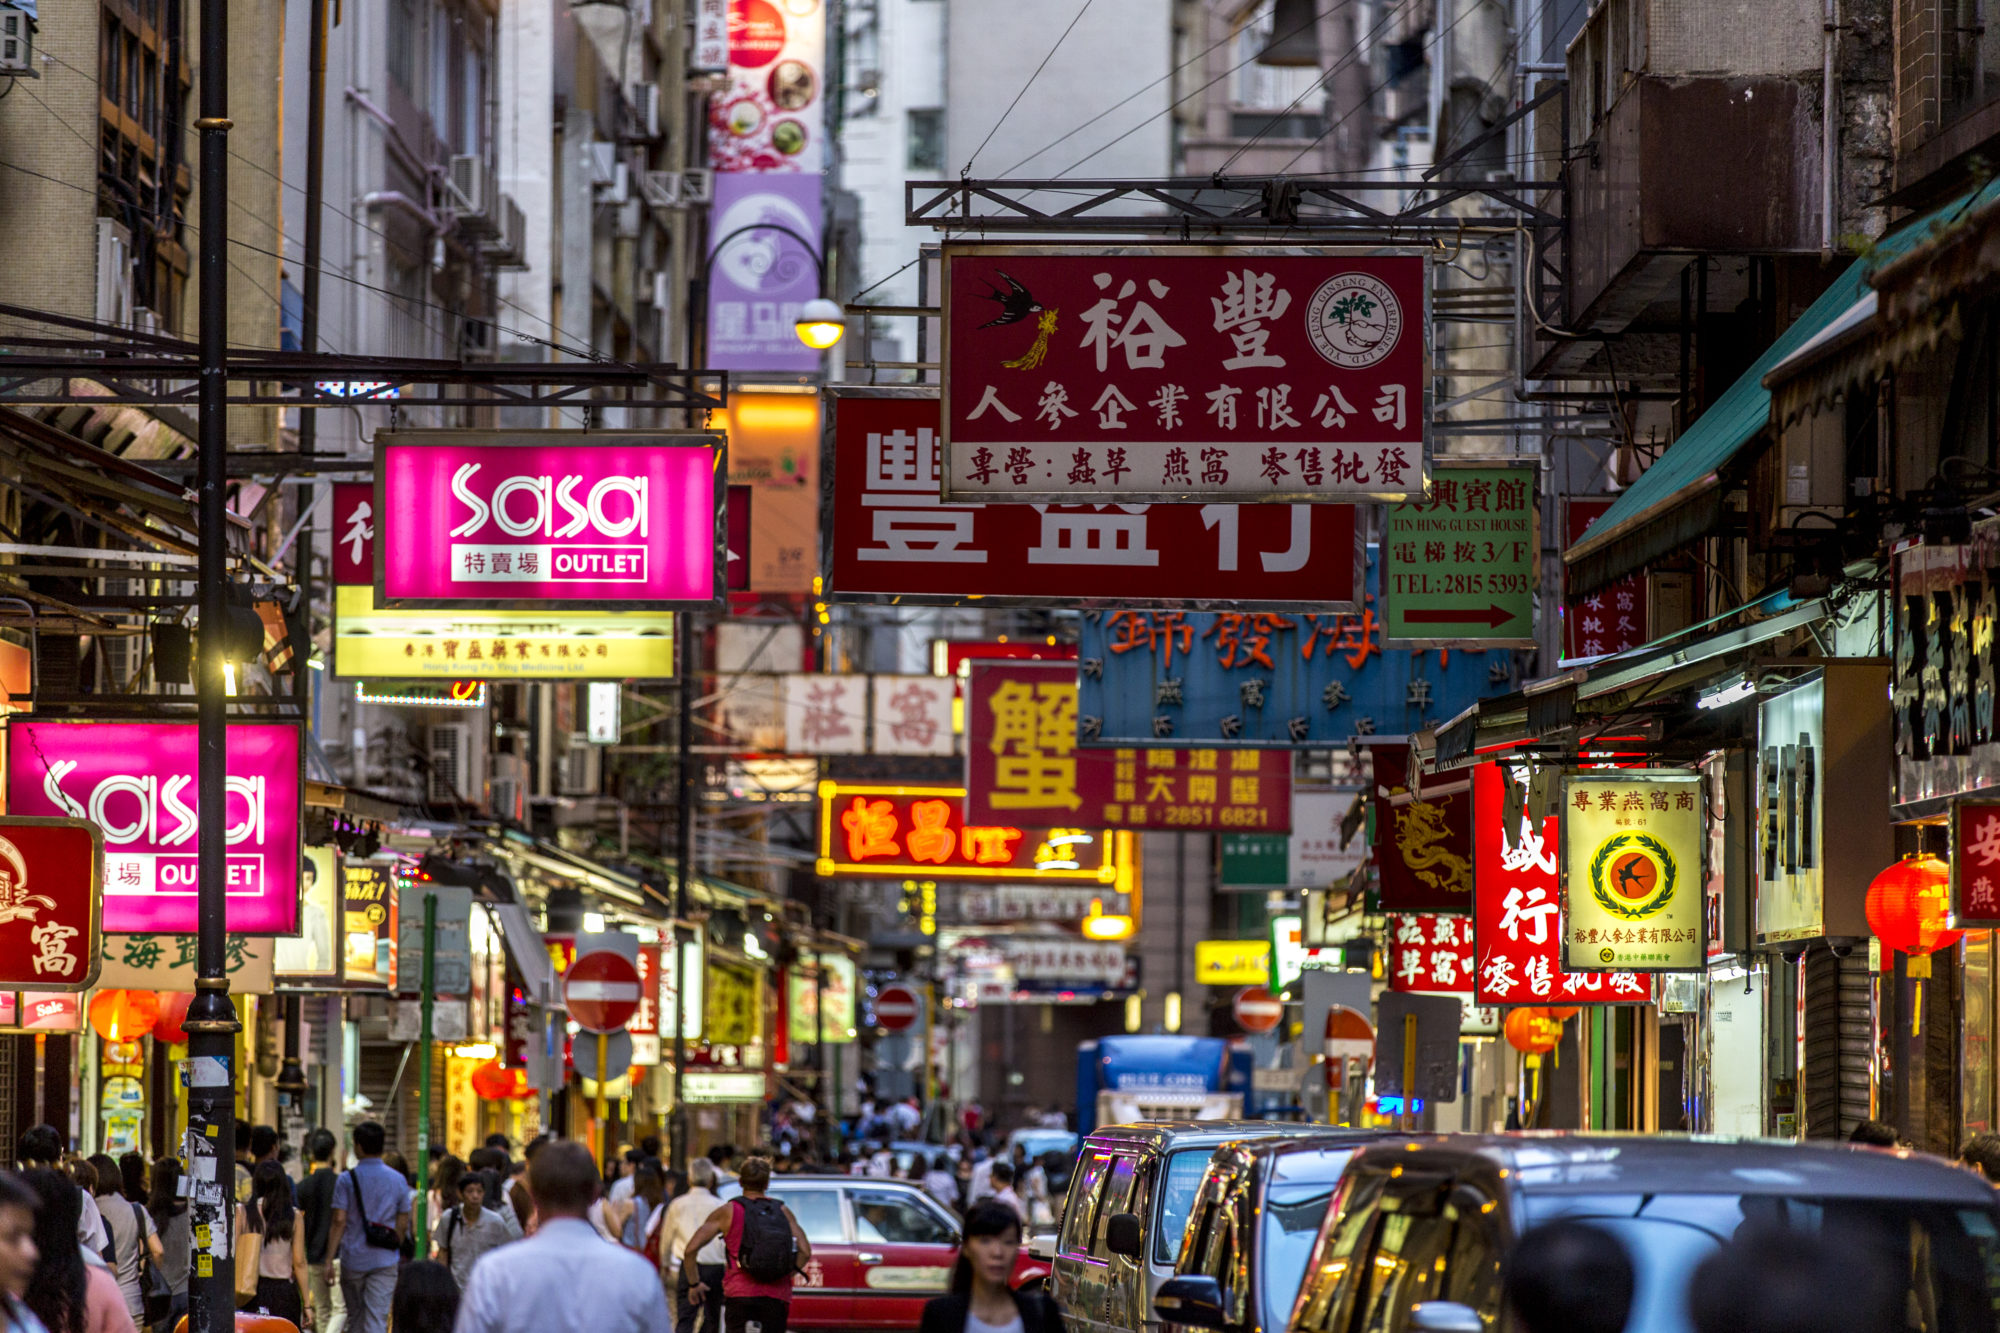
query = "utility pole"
x=210 y=1073
x=426 y=1009
x=683 y=865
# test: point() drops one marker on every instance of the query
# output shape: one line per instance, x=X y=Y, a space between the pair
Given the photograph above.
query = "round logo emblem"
x=1633 y=875
x=1354 y=320
x=1606 y=955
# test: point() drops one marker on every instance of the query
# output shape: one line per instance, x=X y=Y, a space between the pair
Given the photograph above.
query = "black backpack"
x=766 y=1252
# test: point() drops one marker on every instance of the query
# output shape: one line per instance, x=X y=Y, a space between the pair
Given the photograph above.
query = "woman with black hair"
x=170 y=1221
x=982 y=1299
x=131 y=1230
x=426 y=1299
x=270 y=1223
x=66 y=1294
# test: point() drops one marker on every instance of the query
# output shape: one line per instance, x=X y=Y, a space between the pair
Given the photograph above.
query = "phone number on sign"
x=1208 y=815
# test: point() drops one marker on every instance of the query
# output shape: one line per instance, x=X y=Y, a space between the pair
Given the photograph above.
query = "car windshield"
x=1178 y=1184
x=1951 y=1253
x=1291 y=1223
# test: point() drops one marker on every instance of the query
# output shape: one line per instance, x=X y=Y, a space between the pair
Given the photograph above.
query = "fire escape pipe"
x=397 y=199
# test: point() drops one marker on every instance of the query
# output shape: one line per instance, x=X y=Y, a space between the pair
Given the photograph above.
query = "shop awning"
x=1679 y=497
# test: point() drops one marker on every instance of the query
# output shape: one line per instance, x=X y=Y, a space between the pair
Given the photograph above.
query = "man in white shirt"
x=905 y=1117
x=683 y=1218
x=564 y=1278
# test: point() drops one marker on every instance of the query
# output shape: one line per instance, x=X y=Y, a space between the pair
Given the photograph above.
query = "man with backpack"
x=470 y=1229
x=765 y=1247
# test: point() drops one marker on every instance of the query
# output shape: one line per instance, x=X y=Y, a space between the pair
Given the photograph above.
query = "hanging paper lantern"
x=491 y=1083
x=171 y=1025
x=1909 y=906
x=1563 y=1015
x=124 y=1015
x=1533 y=1031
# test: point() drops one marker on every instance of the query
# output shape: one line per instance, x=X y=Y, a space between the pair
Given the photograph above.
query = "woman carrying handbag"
x=271 y=1249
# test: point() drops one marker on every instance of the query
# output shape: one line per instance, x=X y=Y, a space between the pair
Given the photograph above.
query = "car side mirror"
x=1191 y=1298
x=1123 y=1235
x=1446 y=1317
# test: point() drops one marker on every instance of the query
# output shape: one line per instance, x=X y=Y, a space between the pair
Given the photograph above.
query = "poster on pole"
x=1632 y=870
x=1081 y=374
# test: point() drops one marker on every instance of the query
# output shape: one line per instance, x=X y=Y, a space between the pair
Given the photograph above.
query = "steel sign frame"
x=1419 y=324
x=716 y=442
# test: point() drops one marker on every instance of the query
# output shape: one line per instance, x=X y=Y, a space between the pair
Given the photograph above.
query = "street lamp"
x=821 y=321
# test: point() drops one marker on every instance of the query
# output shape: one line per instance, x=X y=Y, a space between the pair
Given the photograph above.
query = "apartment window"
x=926 y=136
x=143 y=179
x=406 y=30
x=1263 y=125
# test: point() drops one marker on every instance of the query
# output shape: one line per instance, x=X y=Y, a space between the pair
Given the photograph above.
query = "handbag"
x=154 y=1293
x=249 y=1248
x=376 y=1234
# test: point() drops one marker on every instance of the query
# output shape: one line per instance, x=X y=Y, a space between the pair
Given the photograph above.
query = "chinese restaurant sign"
x=1182 y=373
x=1612 y=619
x=1632 y=870
x=136 y=781
x=379 y=644
x=1423 y=841
x=541 y=520
x=1460 y=566
x=1517 y=922
x=892 y=537
x=167 y=963
x=49 y=888
x=1258 y=680
x=1023 y=766
x=1429 y=951
x=1975 y=865
x=920 y=832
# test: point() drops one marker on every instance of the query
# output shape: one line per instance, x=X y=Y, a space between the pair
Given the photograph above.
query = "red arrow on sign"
x=1495 y=616
x=897 y=1007
x=601 y=991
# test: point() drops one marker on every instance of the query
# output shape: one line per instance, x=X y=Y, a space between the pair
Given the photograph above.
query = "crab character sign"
x=51 y=881
x=1633 y=842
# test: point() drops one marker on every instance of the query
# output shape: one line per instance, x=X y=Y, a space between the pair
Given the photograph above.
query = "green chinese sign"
x=1256 y=860
x=1459 y=566
x=166 y=962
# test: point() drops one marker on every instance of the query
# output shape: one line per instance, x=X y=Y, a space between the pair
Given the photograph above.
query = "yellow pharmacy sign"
x=1632 y=871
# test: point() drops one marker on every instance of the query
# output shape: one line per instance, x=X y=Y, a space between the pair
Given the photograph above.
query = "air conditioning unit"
x=508 y=247
x=114 y=273
x=661 y=189
x=646 y=107
x=451 y=762
x=576 y=774
x=504 y=798
x=697 y=185
x=602 y=160
x=475 y=190
x=17 y=42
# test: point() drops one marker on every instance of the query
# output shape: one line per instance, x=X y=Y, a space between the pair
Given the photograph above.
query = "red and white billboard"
x=1173 y=373
x=50 y=873
x=548 y=519
x=1430 y=951
x=1517 y=913
x=136 y=782
x=1612 y=619
x=891 y=537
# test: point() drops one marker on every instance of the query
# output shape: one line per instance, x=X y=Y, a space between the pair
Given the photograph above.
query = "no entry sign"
x=601 y=991
x=897 y=1008
x=1257 y=1010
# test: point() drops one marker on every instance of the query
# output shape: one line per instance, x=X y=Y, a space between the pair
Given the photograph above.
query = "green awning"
x=1679 y=497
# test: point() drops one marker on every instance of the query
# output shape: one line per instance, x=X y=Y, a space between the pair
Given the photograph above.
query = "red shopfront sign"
x=1517 y=913
x=51 y=879
x=921 y=832
x=1612 y=619
x=1022 y=763
x=1175 y=373
x=892 y=537
x=1423 y=840
x=1429 y=951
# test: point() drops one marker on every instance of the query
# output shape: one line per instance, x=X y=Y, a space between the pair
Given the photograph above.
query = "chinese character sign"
x=49 y=888
x=1023 y=765
x=832 y=981
x=921 y=832
x=1632 y=870
x=1459 y=565
x=1428 y=951
x=826 y=714
x=1517 y=920
x=167 y=963
x=1612 y=619
x=1322 y=855
x=1265 y=680
x=1172 y=374
x=484 y=518
x=368 y=925
x=136 y=782
x=892 y=537
x=1975 y=865
x=912 y=715
x=1423 y=840
x=764 y=235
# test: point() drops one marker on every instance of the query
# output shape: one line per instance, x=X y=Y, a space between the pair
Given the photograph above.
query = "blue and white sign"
x=1260 y=680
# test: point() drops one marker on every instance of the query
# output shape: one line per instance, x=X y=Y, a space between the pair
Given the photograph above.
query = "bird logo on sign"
x=1016 y=304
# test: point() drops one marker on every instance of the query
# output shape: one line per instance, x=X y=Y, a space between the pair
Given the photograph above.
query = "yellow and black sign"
x=1632 y=871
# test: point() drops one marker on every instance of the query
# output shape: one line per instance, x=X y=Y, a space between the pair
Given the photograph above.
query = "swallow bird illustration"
x=1015 y=302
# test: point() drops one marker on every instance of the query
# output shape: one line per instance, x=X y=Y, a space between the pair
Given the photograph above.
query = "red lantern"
x=124 y=1015
x=1534 y=1031
x=491 y=1083
x=1909 y=906
x=170 y=1027
x=1563 y=1015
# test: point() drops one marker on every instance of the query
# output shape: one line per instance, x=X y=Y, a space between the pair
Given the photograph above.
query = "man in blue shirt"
x=370 y=1194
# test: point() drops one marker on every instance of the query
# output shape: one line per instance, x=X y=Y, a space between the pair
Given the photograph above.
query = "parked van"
x=1130 y=1196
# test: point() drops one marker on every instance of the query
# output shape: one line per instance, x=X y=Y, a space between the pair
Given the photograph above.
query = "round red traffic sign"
x=898 y=1007
x=601 y=991
x=1257 y=1010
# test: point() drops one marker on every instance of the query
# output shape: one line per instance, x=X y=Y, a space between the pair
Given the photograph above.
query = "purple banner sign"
x=136 y=781
x=762 y=275
x=547 y=520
